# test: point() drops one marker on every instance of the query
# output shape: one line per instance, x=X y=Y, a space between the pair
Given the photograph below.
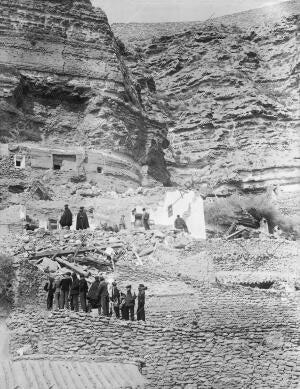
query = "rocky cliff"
x=229 y=89
x=63 y=81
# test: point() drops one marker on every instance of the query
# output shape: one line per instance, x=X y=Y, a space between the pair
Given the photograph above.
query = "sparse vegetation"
x=223 y=211
x=7 y=275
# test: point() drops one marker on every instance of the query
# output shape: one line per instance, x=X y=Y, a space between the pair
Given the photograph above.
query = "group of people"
x=142 y=218
x=72 y=292
x=82 y=221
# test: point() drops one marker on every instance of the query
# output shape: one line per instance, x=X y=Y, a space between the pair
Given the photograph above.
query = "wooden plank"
x=71 y=266
x=62 y=253
x=236 y=233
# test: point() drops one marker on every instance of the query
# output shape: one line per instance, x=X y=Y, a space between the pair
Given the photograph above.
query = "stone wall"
x=234 y=341
x=29 y=285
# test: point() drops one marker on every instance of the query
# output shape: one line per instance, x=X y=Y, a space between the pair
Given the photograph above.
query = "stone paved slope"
x=45 y=374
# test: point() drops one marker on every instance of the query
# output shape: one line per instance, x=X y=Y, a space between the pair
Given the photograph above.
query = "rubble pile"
x=84 y=251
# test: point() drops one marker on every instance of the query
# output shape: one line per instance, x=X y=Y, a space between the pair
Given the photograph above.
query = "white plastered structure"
x=188 y=205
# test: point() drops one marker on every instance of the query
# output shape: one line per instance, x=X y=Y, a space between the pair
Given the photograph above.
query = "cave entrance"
x=16 y=188
x=259 y=285
x=19 y=161
x=99 y=170
x=64 y=162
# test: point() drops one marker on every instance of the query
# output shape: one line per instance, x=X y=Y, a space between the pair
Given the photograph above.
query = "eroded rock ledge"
x=62 y=80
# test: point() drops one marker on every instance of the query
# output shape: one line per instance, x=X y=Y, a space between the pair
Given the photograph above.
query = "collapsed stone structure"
x=63 y=81
x=199 y=332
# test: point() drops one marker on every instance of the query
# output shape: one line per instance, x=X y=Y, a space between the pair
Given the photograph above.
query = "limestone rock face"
x=63 y=81
x=230 y=91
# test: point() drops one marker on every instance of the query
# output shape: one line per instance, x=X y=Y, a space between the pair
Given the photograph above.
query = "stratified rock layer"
x=62 y=81
x=230 y=90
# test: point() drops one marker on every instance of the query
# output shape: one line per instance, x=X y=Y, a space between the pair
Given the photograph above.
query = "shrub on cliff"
x=224 y=211
x=7 y=276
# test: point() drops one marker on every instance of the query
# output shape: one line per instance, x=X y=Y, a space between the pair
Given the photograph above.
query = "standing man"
x=122 y=224
x=145 y=219
x=57 y=291
x=83 y=289
x=65 y=286
x=140 y=313
x=129 y=303
x=104 y=297
x=82 y=222
x=66 y=219
x=123 y=307
x=116 y=299
x=132 y=218
x=180 y=224
x=49 y=287
x=93 y=295
x=74 y=293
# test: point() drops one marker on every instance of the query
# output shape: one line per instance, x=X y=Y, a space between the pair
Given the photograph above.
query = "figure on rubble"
x=180 y=224
x=104 y=297
x=122 y=224
x=263 y=225
x=74 y=293
x=123 y=306
x=82 y=222
x=65 y=286
x=145 y=219
x=140 y=313
x=83 y=289
x=115 y=299
x=132 y=218
x=93 y=295
x=66 y=219
x=57 y=291
x=129 y=303
x=49 y=287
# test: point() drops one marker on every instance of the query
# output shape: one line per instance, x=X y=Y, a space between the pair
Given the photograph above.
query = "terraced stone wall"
x=232 y=352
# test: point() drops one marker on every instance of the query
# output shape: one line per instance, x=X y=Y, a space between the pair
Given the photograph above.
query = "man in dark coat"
x=123 y=307
x=140 y=313
x=65 y=286
x=50 y=288
x=129 y=303
x=93 y=295
x=74 y=293
x=145 y=219
x=66 y=219
x=83 y=289
x=82 y=222
x=116 y=300
x=180 y=224
x=104 y=297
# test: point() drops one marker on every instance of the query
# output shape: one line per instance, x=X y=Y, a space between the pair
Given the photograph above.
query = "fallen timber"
x=72 y=266
x=62 y=253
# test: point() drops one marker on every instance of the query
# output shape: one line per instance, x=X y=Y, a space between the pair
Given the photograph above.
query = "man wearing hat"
x=140 y=313
x=65 y=286
x=104 y=297
x=82 y=222
x=145 y=219
x=129 y=303
x=66 y=219
x=116 y=299
x=93 y=295
x=74 y=293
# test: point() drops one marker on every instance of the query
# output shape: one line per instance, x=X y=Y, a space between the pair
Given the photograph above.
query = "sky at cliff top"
x=154 y=11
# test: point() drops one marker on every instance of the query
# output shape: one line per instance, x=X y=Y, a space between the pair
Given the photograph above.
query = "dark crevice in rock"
x=259 y=285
